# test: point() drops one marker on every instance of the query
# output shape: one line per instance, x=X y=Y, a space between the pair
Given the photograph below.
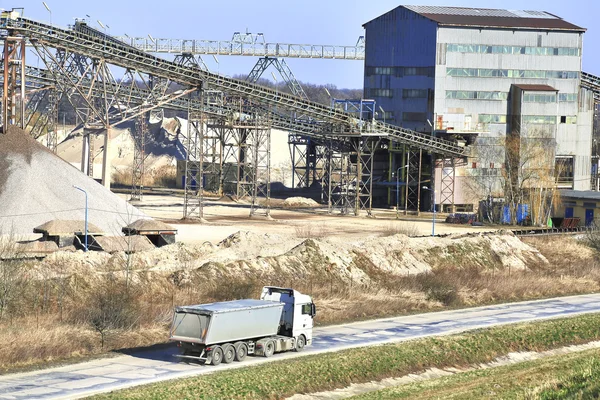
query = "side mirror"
x=313 y=310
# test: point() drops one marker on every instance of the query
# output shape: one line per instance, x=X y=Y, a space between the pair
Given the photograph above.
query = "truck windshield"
x=189 y=325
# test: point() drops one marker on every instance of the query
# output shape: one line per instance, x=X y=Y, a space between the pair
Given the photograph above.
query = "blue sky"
x=335 y=22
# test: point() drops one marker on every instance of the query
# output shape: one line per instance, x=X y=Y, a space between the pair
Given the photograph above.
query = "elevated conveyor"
x=92 y=43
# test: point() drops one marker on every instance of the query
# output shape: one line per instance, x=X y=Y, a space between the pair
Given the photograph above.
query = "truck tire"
x=300 y=343
x=216 y=355
x=269 y=348
x=228 y=353
x=241 y=351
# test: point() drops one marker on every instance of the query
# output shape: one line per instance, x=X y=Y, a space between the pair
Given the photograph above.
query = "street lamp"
x=86 y=216
x=433 y=220
x=49 y=10
x=397 y=186
x=330 y=98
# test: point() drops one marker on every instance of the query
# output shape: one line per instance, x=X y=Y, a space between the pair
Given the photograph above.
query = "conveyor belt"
x=92 y=43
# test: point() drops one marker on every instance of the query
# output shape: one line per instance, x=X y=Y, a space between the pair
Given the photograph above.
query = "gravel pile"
x=36 y=186
x=299 y=202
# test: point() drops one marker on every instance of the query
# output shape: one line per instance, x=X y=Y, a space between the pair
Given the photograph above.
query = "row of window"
x=406 y=93
x=510 y=73
x=539 y=98
x=527 y=97
x=400 y=71
x=475 y=95
x=528 y=119
x=489 y=49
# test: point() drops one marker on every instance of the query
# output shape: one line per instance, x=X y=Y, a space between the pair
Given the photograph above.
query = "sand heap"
x=246 y=254
x=36 y=186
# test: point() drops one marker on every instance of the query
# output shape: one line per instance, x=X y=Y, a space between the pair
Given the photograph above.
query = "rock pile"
x=36 y=186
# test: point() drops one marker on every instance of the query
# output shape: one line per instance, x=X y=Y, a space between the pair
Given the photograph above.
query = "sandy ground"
x=226 y=218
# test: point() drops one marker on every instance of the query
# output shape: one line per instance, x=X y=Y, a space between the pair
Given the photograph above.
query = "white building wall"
x=573 y=139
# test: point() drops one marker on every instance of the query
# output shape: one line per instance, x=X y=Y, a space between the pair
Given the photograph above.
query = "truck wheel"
x=228 y=353
x=269 y=348
x=216 y=355
x=300 y=343
x=241 y=351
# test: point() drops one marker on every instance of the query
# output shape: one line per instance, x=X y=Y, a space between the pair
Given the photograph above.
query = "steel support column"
x=13 y=95
x=194 y=168
x=139 y=156
x=447 y=184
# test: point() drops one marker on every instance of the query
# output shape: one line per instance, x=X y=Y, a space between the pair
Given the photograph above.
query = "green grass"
x=334 y=370
x=572 y=376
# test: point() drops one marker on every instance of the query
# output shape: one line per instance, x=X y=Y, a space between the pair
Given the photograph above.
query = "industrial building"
x=481 y=74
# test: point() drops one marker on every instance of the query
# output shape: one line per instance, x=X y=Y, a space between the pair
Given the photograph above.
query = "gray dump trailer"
x=226 y=331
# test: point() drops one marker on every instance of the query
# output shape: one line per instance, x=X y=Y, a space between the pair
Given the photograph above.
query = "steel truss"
x=447 y=184
x=347 y=183
x=87 y=41
x=247 y=45
x=307 y=160
x=139 y=157
x=13 y=95
x=194 y=166
x=414 y=159
x=284 y=70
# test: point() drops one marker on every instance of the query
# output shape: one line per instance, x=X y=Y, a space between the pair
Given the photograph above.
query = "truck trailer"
x=281 y=320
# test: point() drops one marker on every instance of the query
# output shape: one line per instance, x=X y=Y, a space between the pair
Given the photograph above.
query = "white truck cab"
x=297 y=316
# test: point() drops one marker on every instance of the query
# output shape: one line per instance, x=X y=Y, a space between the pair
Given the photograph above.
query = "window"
x=414 y=116
x=511 y=73
x=567 y=97
x=414 y=93
x=564 y=172
x=306 y=309
x=539 y=98
x=489 y=49
x=492 y=118
x=376 y=92
x=571 y=119
x=539 y=119
x=471 y=95
x=387 y=115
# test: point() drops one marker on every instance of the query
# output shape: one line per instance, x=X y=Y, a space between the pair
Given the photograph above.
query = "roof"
x=536 y=88
x=129 y=244
x=581 y=194
x=59 y=227
x=151 y=225
x=493 y=18
x=227 y=306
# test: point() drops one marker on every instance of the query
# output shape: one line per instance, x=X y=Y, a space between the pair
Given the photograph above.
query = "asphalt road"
x=104 y=375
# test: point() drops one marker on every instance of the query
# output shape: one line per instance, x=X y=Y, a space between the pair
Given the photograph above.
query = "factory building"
x=480 y=75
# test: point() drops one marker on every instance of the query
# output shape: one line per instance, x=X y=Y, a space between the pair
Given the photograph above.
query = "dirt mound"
x=37 y=186
x=248 y=254
x=299 y=202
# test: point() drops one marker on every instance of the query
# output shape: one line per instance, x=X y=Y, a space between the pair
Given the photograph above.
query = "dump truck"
x=281 y=320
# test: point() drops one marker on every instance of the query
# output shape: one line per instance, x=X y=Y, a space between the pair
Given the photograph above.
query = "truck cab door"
x=303 y=321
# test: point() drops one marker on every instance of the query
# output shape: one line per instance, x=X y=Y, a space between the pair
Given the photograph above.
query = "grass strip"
x=571 y=376
x=334 y=370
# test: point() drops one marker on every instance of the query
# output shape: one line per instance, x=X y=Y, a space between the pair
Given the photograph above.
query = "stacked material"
x=36 y=186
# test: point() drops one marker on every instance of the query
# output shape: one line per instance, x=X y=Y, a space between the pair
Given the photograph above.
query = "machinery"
x=281 y=320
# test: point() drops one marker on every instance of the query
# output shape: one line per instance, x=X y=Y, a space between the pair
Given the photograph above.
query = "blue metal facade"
x=400 y=56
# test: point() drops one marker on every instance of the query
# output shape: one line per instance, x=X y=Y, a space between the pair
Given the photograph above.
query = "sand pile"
x=36 y=186
x=299 y=202
x=246 y=254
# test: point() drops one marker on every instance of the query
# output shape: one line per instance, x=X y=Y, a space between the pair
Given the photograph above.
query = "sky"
x=327 y=22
